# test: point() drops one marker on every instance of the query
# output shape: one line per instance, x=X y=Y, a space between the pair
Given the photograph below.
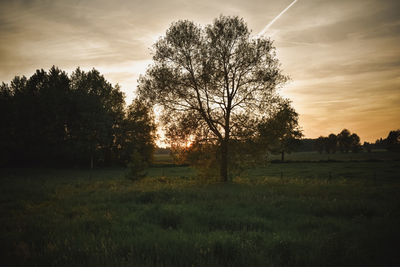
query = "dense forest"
x=77 y=120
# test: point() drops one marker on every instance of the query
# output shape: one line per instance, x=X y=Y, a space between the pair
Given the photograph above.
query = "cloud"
x=343 y=56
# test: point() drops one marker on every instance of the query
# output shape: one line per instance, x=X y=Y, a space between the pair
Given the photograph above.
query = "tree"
x=348 y=141
x=28 y=118
x=393 y=140
x=212 y=82
x=281 y=132
x=367 y=146
x=53 y=106
x=344 y=140
x=355 y=143
x=137 y=134
x=56 y=119
x=331 y=143
x=320 y=144
x=380 y=143
x=98 y=110
x=52 y=118
x=7 y=129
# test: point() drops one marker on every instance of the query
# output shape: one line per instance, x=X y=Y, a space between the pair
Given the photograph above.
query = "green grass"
x=293 y=214
x=375 y=155
x=163 y=159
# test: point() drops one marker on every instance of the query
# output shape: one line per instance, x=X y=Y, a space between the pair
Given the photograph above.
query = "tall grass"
x=305 y=218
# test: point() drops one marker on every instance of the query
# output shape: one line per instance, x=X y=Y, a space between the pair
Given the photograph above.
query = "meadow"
x=311 y=211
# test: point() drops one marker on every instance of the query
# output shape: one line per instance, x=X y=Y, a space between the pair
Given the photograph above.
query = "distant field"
x=377 y=155
x=289 y=214
x=163 y=159
x=338 y=156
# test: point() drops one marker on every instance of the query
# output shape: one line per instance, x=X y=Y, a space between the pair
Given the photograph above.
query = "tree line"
x=79 y=120
x=391 y=142
x=346 y=142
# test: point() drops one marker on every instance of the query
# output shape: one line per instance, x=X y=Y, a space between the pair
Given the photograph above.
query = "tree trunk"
x=224 y=161
x=282 y=155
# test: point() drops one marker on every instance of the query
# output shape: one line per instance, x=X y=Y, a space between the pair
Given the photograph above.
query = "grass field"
x=283 y=214
x=376 y=155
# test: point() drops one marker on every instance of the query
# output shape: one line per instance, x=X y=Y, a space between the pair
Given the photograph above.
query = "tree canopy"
x=281 y=132
x=213 y=83
x=344 y=141
x=53 y=118
x=393 y=140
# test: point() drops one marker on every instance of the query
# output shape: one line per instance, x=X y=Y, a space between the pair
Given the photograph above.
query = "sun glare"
x=188 y=144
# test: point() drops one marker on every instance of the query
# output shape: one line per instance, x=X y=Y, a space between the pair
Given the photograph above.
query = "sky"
x=343 y=56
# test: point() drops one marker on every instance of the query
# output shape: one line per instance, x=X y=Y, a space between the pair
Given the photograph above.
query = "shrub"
x=137 y=166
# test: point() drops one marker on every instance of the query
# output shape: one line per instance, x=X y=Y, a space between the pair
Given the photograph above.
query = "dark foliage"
x=52 y=118
x=393 y=140
x=344 y=142
x=281 y=132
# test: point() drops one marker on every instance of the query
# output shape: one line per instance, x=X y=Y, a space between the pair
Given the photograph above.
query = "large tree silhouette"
x=98 y=110
x=212 y=82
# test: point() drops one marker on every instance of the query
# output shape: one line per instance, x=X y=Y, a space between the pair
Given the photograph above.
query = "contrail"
x=261 y=33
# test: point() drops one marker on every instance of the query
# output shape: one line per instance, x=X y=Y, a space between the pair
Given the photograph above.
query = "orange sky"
x=343 y=56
